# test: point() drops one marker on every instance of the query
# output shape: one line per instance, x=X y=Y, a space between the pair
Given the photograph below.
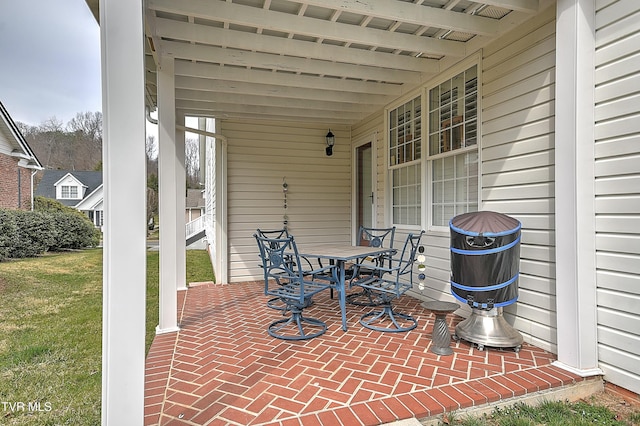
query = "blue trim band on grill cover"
x=485 y=288
x=485 y=305
x=484 y=234
x=487 y=251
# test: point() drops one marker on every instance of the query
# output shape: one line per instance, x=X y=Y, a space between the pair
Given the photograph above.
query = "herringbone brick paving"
x=222 y=368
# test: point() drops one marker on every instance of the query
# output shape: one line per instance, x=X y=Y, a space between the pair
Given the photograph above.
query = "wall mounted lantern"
x=331 y=140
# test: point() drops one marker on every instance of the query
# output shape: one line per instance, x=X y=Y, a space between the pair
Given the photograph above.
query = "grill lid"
x=486 y=223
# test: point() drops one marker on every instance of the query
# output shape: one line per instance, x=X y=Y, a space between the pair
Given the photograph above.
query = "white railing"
x=195 y=226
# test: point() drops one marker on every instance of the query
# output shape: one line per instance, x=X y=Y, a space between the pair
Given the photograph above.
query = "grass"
x=50 y=334
x=550 y=413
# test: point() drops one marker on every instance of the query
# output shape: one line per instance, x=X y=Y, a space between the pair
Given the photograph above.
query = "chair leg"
x=277 y=304
x=299 y=327
x=364 y=298
x=398 y=322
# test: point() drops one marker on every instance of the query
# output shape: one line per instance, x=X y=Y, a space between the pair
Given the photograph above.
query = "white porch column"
x=574 y=189
x=181 y=206
x=167 y=191
x=124 y=264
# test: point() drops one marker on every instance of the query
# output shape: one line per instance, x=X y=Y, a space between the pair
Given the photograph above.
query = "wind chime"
x=285 y=189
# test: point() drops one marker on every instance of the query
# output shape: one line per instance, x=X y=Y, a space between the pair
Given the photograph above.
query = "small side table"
x=441 y=337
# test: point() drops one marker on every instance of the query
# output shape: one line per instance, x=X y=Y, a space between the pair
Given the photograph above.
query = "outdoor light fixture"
x=331 y=140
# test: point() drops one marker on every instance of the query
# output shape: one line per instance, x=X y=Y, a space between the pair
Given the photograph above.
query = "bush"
x=52 y=226
x=74 y=229
x=35 y=233
x=8 y=233
x=73 y=232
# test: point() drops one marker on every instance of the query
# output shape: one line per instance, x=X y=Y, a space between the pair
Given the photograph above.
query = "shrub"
x=73 y=232
x=36 y=232
x=8 y=233
x=52 y=226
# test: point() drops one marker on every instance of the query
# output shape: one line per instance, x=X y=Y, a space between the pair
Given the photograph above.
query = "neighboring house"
x=526 y=107
x=81 y=190
x=18 y=164
x=194 y=204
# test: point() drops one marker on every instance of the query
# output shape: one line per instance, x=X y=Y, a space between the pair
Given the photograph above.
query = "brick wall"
x=15 y=184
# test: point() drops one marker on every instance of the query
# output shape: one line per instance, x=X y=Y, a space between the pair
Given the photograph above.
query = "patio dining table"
x=340 y=254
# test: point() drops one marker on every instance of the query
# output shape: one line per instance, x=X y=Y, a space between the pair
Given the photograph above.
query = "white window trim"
x=427 y=214
x=388 y=170
x=70 y=197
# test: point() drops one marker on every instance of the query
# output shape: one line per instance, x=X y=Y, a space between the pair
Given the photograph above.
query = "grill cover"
x=485 y=259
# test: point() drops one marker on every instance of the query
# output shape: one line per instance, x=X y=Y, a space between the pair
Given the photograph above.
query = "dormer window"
x=69 y=192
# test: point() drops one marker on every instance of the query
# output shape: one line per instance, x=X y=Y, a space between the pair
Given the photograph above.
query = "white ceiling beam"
x=287 y=23
x=527 y=6
x=195 y=112
x=258 y=89
x=275 y=102
x=284 y=46
x=222 y=108
x=233 y=74
x=285 y=63
x=414 y=14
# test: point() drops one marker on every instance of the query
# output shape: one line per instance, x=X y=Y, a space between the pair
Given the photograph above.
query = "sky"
x=49 y=60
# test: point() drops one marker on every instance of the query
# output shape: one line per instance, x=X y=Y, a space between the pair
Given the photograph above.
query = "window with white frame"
x=69 y=192
x=453 y=146
x=405 y=146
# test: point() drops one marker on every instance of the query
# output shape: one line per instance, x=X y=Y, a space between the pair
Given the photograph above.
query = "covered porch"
x=223 y=368
x=277 y=75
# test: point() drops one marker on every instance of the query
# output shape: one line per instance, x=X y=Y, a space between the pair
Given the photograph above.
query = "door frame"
x=372 y=139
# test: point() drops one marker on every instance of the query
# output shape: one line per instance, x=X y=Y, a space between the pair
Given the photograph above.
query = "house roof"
x=194 y=198
x=21 y=147
x=332 y=61
x=46 y=187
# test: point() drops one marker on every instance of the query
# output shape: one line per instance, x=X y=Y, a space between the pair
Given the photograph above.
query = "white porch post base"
x=166 y=330
x=586 y=372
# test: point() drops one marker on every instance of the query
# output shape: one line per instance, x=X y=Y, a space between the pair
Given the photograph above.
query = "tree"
x=78 y=146
x=192 y=162
x=86 y=128
x=151 y=151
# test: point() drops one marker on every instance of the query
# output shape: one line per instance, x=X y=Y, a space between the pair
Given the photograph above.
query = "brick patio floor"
x=222 y=368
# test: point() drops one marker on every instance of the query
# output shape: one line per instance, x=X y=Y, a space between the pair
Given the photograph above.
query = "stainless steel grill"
x=485 y=261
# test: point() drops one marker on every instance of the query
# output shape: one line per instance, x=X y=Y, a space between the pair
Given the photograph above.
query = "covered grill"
x=485 y=258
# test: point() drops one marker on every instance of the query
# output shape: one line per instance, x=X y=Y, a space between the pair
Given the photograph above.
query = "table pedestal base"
x=441 y=337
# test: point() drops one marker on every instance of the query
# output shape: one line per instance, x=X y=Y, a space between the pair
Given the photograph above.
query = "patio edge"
x=571 y=392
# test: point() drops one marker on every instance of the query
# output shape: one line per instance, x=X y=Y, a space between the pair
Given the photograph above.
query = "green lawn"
x=50 y=334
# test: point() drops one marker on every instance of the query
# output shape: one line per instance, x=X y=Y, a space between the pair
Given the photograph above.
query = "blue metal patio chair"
x=286 y=280
x=372 y=237
x=275 y=302
x=389 y=283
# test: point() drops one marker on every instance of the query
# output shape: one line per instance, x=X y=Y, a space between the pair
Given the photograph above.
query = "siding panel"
x=260 y=157
x=617 y=174
x=518 y=163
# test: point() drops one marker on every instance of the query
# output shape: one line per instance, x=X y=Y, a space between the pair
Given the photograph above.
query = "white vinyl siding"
x=617 y=187
x=260 y=157
x=5 y=145
x=517 y=163
x=211 y=194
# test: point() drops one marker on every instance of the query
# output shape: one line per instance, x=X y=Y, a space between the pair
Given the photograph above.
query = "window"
x=453 y=151
x=405 y=146
x=69 y=192
x=405 y=133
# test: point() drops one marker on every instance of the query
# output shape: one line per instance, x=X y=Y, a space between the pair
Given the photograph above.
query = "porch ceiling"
x=334 y=61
